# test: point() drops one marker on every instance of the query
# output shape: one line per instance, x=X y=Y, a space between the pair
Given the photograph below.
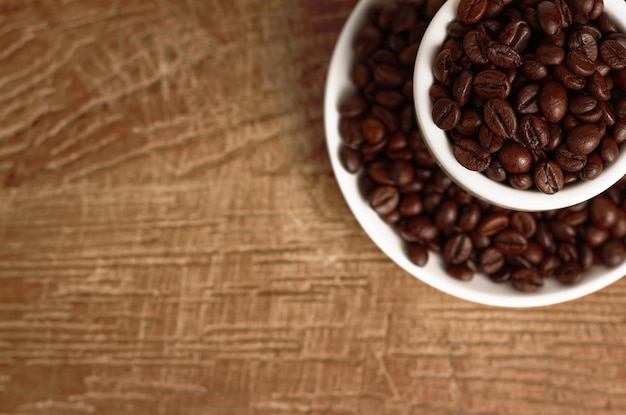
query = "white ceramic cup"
x=476 y=183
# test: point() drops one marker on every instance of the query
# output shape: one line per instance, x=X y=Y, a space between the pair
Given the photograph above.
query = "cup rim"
x=477 y=183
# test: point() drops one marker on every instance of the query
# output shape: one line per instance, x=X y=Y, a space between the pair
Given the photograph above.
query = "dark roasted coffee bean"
x=471 y=11
x=488 y=140
x=568 y=160
x=556 y=137
x=350 y=158
x=401 y=172
x=562 y=230
x=568 y=273
x=388 y=118
x=548 y=265
x=585 y=42
x=384 y=199
x=584 y=138
x=447 y=214
x=549 y=17
x=469 y=217
x=552 y=101
x=367 y=41
x=457 y=249
x=577 y=62
x=373 y=130
x=446 y=114
x=423 y=228
x=595 y=236
x=387 y=76
x=471 y=155
x=613 y=53
x=545 y=239
x=462 y=87
x=459 y=272
x=548 y=177
x=411 y=205
x=526 y=280
x=582 y=7
x=521 y=181
x=613 y=253
x=490 y=260
x=598 y=87
x=475 y=44
x=417 y=253
x=493 y=224
x=609 y=151
x=444 y=67
x=514 y=157
x=534 y=253
x=515 y=34
x=469 y=123
x=603 y=212
x=491 y=84
x=526 y=99
x=533 y=69
x=438 y=91
x=353 y=107
x=500 y=117
x=524 y=223
x=550 y=54
x=504 y=56
x=510 y=242
x=567 y=78
x=534 y=132
x=619 y=130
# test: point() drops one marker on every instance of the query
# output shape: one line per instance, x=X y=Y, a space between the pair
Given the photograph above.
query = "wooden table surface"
x=173 y=240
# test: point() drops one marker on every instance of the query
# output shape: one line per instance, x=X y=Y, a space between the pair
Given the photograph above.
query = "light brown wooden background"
x=173 y=241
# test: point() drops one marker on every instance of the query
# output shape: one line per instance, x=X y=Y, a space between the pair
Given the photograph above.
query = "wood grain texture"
x=173 y=241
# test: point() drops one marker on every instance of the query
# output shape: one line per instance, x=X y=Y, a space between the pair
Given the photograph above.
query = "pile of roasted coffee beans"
x=532 y=92
x=403 y=184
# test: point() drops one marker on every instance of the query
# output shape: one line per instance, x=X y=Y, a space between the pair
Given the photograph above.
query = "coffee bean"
x=491 y=84
x=552 y=101
x=367 y=41
x=418 y=254
x=568 y=160
x=534 y=132
x=444 y=67
x=447 y=214
x=493 y=224
x=423 y=228
x=459 y=272
x=387 y=76
x=462 y=87
x=562 y=230
x=401 y=173
x=603 y=212
x=446 y=114
x=457 y=249
x=475 y=44
x=515 y=158
x=569 y=273
x=526 y=280
x=548 y=177
x=584 y=138
x=471 y=155
x=490 y=260
x=469 y=217
x=582 y=7
x=533 y=69
x=524 y=223
x=577 y=62
x=471 y=11
x=526 y=99
x=384 y=199
x=567 y=78
x=515 y=34
x=609 y=151
x=613 y=253
x=585 y=42
x=613 y=53
x=469 y=123
x=500 y=117
x=510 y=242
x=585 y=256
x=350 y=158
x=550 y=54
x=504 y=56
x=595 y=236
x=549 y=17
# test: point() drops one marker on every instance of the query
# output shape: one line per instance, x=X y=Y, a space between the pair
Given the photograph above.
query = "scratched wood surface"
x=172 y=240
